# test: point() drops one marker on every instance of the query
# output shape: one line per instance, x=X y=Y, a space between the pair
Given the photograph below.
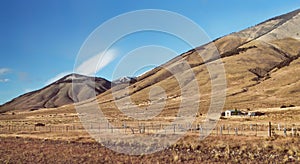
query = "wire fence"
x=292 y=130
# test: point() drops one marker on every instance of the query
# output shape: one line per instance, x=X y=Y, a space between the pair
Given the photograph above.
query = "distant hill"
x=126 y=80
x=59 y=93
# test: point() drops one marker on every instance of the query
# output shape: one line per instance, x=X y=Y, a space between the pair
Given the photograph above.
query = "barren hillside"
x=59 y=93
x=260 y=63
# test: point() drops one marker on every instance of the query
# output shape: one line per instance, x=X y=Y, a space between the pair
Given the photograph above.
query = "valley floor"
x=211 y=150
x=60 y=141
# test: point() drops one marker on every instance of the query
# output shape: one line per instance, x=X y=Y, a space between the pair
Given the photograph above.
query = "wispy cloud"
x=4 y=80
x=29 y=90
x=4 y=71
x=57 y=77
x=89 y=66
x=97 y=62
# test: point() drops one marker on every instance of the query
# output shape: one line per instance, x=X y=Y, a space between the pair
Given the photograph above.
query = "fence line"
x=150 y=128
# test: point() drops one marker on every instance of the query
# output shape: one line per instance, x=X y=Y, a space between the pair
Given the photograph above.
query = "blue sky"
x=40 y=40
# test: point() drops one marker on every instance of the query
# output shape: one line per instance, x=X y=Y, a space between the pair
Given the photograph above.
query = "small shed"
x=255 y=114
x=235 y=112
x=251 y=114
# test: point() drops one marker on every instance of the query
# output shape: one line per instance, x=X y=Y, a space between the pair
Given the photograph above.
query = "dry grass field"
x=26 y=143
x=188 y=150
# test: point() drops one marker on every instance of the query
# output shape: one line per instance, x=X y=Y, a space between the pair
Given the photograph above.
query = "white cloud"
x=29 y=90
x=57 y=77
x=92 y=65
x=4 y=80
x=4 y=71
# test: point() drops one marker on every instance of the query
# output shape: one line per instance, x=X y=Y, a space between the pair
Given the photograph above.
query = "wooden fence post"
x=270 y=130
x=256 y=130
x=124 y=126
x=228 y=128
x=174 y=129
x=221 y=130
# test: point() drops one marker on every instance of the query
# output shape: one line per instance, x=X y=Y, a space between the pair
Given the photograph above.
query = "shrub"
x=39 y=124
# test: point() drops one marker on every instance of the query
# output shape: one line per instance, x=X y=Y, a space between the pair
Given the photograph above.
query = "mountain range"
x=261 y=65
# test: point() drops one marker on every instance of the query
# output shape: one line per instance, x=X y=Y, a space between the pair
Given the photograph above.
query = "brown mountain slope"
x=59 y=93
x=260 y=63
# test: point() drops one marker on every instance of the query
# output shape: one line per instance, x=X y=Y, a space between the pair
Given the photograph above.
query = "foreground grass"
x=188 y=150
